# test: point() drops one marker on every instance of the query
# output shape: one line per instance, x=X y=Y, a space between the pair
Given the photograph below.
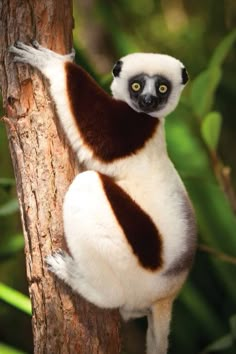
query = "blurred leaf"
x=200 y=309
x=232 y=323
x=123 y=42
x=223 y=49
x=203 y=89
x=204 y=86
x=185 y=147
x=225 y=342
x=12 y=245
x=217 y=225
x=9 y=208
x=216 y=220
x=82 y=59
x=15 y=298
x=210 y=129
x=6 y=349
x=105 y=82
x=5 y=182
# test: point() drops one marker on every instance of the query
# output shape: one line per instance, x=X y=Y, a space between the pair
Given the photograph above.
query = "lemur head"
x=149 y=83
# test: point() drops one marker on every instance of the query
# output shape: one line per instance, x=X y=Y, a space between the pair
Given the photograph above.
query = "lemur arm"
x=107 y=129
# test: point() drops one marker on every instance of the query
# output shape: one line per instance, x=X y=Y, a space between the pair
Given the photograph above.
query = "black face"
x=149 y=93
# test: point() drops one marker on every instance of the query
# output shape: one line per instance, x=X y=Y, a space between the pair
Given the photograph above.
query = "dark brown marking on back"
x=184 y=261
x=109 y=127
x=138 y=227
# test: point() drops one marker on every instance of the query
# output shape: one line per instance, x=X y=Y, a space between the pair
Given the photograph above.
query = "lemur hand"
x=38 y=56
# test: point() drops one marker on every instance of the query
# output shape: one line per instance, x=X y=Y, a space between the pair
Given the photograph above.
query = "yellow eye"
x=136 y=86
x=162 y=88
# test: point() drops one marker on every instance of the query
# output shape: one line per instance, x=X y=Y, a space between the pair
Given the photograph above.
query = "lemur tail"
x=159 y=326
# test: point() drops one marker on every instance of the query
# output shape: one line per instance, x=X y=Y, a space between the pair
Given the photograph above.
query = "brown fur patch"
x=138 y=227
x=109 y=127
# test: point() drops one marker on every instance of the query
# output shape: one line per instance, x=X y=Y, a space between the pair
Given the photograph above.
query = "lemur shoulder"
x=128 y=222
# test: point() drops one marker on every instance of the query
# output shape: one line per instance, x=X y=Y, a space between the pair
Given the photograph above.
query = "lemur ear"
x=185 y=76
x=117 y=68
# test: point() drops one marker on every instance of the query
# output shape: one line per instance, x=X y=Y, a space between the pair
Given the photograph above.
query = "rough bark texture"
x=44 y=167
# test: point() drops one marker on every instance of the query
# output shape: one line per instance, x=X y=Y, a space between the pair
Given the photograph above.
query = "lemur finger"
x=20 y=53
x=14 y=50
x=51 y=54
x=56 y=263
x=30 y=55
x=21 y=56
x=25 y=47
x=18 y=59
x=40 y=48
x=35 y=44
x=57 y=260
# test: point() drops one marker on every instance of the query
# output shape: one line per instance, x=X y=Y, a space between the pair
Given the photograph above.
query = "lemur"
x=128 y=221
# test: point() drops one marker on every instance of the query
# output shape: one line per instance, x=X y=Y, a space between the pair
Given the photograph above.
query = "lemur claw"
x=54 y=257
x=35 y=43
x=19 y=44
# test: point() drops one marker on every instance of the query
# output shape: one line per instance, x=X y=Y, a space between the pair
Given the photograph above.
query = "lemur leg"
x=159 y=326
x=68 y=270
x=150 y=336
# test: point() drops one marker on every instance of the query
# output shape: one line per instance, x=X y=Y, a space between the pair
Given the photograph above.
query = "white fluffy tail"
x=159 y=326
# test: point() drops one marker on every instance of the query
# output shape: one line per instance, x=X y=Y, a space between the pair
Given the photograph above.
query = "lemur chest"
x=161 y=195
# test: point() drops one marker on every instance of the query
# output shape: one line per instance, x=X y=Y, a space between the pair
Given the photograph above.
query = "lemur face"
x=149 y=93
x=149 y=83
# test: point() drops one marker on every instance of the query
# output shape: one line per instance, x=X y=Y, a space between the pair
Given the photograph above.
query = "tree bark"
x=44 y=167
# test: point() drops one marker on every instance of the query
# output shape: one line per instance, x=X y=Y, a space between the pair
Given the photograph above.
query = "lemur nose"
x=147 y=99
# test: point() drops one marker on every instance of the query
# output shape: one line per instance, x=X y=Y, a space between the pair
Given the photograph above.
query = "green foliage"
x=6 y=182
x=9 y=208
x=15 y=298
x=203 y=89
x=210 y=129
x=6 y=349
x=220 y=344
x=193 y=132
x=13 y=245
x=123 y=42
x=204 y=86
x=225 y=342
x=198 y=306
x=223 y=50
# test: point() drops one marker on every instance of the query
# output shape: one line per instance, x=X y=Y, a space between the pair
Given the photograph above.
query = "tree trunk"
x=44 y=167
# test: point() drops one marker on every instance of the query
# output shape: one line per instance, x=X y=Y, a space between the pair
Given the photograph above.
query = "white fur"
x=103 y=268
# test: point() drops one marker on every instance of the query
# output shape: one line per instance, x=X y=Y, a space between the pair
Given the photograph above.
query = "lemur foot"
x=60 y=263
